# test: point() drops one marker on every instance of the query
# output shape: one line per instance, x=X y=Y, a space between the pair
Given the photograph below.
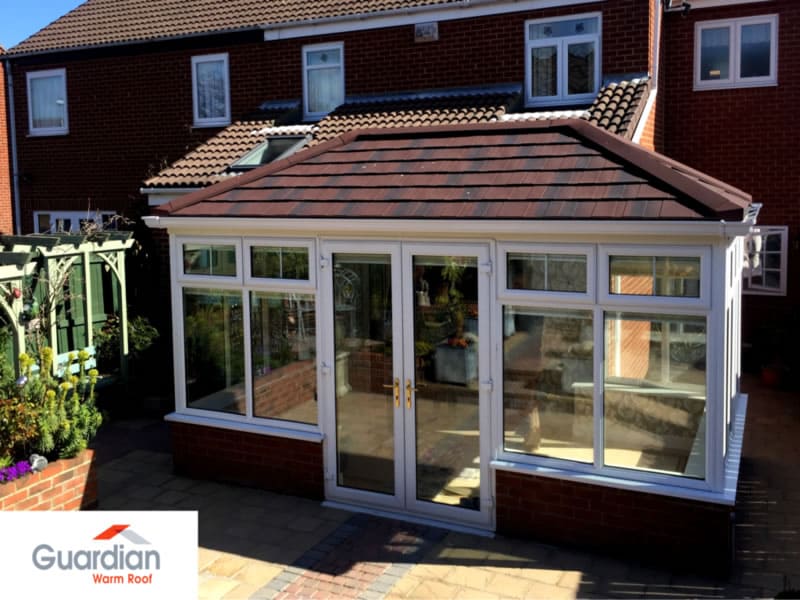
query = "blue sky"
x=22 y=18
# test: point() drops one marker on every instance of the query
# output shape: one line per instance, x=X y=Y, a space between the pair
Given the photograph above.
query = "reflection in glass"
x=547 y=382
x=283 y=353
x=362 y=287
x=755 y=50
x=214 y=350
x=546 y=272
x=655 y=393
x=205 y=259
x=544 y=68
x=446 y=321
x=279 y=263
x=580 y=68
x=655 y=276
x=715 y=53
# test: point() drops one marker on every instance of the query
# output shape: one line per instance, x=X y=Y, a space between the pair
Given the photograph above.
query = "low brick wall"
x=66 y=484
x=267 y=462
x=687 y=534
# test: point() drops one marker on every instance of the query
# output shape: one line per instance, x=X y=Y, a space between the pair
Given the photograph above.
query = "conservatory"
x=530 y=328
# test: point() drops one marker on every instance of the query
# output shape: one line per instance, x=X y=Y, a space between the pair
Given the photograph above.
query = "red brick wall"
x=6 y=215
x=66 y=484
x=746 y=137
x=653 y=528
x=272 y=463
x=130 y=112
x=285 y=388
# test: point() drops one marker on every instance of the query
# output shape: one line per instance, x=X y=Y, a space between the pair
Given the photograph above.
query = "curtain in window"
x=580 y=68
x=211 y=102
x=544 y=69
x=48 y=102
x=324 y=89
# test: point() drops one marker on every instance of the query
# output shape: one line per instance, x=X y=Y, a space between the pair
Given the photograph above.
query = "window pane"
x=202 y=259
x=328 y=56
x=280 y=263
x=715 y=53
x=48 y=102
x=546 y=272
x=214 y=350
x=324 y=89
x=655 y=276
x=544 y=65
x=541 y=31
x=284 y=356
x=547 y=383
x=755 y=50
x=580 y=69
x=211 y=96
x=655 y=393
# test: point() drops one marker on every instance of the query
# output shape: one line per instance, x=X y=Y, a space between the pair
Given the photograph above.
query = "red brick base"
x=66 y=484
x=267 y=462
x=689 y=534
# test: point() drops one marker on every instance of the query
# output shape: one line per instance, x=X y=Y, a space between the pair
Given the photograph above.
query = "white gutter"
x=12 y=138
x=463 y=9
x=448 y=227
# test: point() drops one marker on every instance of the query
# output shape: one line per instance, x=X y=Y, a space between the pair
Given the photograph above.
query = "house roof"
x=104 y=22
x=563 y=169
x=617 y=109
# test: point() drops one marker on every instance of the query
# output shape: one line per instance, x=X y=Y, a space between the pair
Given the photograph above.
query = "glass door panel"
x=363 y=372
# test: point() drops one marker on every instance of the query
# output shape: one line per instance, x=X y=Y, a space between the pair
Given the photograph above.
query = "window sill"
x=209 y=124
x=706 y=87
x=246 y=427
x=51 y=133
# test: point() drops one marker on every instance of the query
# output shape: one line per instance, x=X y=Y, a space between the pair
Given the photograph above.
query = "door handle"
x=409 y=389
x=396 y=389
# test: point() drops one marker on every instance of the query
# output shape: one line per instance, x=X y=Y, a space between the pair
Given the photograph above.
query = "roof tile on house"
x=531 y=170
x=103 y=22
x=618 y=106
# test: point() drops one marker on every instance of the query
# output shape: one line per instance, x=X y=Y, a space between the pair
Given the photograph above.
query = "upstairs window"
x=765 y=261
x=562 y=60
x=47 y=102
x=736 y=53
x=211 y=90
x=323 y=79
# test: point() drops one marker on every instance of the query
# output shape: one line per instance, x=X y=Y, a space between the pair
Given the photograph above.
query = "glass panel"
x=580 y=68
x=655 y=393
x=214 y=350
x=362 y=287
x=544 y=65
x=547 y=382
x=211 y=96
x=283 y=345
x=446 y=376
x=566 y=28
x=715 y=53
x=546 y=272
x=655 y=276
x=773 y=242
x=755 y=50
x=43 y=223
x=324 y=89
x=328 y=56
x=273 y=262
x=203 y=259
x=48 y=102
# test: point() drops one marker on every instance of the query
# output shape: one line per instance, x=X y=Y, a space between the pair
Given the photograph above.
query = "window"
x=67 y=221
x=655 y=276
x=765 y=261
x=211 y=90
x=562 y=60
x=323 y=79
x=272 y=149
x=736 y=53
x=547 y=272
x=47 y=102
x=279 y=263
x=212 y=260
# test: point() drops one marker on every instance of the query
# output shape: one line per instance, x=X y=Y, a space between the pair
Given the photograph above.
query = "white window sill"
x=207 y=124
x=48 y=133
x=257 y=428
x=704 y=87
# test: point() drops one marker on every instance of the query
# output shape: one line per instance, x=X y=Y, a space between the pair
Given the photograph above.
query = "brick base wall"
x=66 y=484
x=687 y=534
x=267 y=462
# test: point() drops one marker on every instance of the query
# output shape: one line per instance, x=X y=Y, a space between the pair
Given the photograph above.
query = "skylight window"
x=271 y=149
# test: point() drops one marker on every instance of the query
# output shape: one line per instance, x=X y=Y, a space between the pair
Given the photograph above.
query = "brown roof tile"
x=102 y=22
x=493 y=180
x=618 y=106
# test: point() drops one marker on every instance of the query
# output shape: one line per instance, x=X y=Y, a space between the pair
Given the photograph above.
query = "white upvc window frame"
x=750 y=250
x=75 y=216
x=300 y=285
x=734 y=80
x=47 y=131
x=562 y=97
x=211 y=121
x=247 y=422
x=307 y=114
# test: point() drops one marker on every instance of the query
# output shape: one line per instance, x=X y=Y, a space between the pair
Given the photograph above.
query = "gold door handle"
x=409 y=389
x=396 y=388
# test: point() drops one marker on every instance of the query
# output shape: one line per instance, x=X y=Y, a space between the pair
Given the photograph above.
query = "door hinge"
x=325 y=368
x=323 y=262
x=486 y=267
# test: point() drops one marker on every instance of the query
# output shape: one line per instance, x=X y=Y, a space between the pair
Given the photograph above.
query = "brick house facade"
x=6 y=212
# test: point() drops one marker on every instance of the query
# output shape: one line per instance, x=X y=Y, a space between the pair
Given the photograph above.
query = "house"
x=6 y=215
x=146 y=107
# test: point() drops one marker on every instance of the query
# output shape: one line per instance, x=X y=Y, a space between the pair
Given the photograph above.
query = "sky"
x=22 y=18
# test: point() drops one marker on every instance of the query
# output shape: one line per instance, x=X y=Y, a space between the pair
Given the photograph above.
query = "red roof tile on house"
x=565 y=169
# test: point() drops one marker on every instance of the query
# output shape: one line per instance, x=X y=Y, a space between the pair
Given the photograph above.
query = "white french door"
x=405 y=371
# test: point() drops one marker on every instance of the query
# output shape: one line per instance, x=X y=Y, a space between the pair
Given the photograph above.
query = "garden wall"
x=66 y=484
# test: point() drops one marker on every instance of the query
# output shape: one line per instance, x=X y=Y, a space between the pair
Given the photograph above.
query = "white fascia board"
x=697 y=4
x=446 y=228
x=159 y=196
x=464 y=9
